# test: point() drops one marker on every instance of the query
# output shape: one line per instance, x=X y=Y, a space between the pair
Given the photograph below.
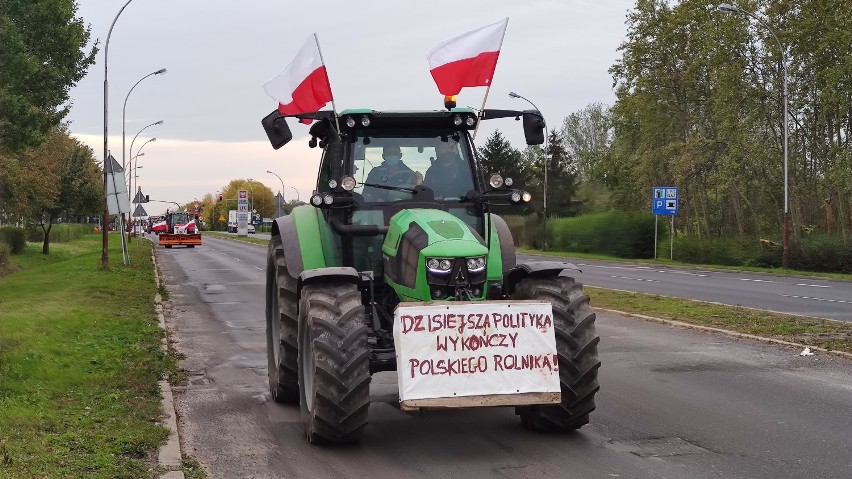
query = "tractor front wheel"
x=282 y=327
x=334 y=363
x=577 y=348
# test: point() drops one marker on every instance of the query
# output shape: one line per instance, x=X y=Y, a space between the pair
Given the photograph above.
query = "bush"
x=613 y=233
x=59 y=233
x=5 y=253
x=821 y=253
x=15 y=238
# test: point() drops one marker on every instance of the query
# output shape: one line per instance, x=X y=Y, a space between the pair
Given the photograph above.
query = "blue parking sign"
x=664 y=200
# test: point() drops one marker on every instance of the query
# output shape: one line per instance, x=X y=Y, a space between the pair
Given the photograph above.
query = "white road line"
x=756 y=280
x=636 y=279
x=813 y=285
x=817 y=299
x=255 y=267
x=682 y=272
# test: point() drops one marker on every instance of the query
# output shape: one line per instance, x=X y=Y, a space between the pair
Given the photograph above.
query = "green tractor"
x=385 y=230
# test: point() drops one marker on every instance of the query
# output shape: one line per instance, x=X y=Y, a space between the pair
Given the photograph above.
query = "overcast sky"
x=219 y=53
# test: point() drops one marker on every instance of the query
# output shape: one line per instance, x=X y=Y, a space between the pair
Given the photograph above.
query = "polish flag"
x=468 y=59
x=303 y=86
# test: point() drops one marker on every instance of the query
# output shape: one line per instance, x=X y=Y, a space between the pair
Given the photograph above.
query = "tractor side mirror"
x=277 y=130
x=533 y=127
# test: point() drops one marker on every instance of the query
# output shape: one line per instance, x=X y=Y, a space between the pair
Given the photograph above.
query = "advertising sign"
x=242 y=213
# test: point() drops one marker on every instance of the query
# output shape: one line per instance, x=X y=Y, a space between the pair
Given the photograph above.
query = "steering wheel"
x=403 y=178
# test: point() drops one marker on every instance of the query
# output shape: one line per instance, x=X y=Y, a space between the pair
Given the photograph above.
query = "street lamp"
x=124 y=109
x=135 y=159
x=297 y=193
x=544 y=190
x=726 y=7
x=105 y=218
x=130 y=152
x=280 y=209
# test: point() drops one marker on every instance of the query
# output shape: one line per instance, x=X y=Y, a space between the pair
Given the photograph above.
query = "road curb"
x=169 y=456
x=726 y=332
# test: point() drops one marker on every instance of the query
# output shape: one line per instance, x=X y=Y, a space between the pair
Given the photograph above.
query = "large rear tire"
x=334 y=362
x=577 y=348
x=282 y=327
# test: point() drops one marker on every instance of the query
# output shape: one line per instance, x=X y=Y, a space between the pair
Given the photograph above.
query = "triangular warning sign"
x=139 y=198
x=139 y=212
x=112 y=166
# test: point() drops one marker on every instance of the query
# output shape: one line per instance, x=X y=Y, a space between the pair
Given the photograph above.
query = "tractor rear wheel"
x=577 y=348
x=282 y=327
x=334 y=363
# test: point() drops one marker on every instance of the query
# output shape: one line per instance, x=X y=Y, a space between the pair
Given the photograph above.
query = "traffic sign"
x=664 y=200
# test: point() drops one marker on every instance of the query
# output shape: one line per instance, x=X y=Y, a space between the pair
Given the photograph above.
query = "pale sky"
x=219 y=53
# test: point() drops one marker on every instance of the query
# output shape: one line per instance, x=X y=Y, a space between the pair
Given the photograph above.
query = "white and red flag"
x=468 y=59
x=303 y=86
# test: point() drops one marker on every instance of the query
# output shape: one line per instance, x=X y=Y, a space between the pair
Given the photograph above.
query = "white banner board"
x=465 y=349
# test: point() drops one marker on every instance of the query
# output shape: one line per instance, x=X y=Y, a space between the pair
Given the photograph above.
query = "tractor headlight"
x=328 y=199
x=350 y=122
x=526 y=196
x=439 y=265
x=496 y=181
x=457 y=120
x=316 y=200
x=348 y=183
x=470 y=121
x=332 y=183
x=365 y=121
x=475 y=265
x=508 y=181
x=516 y=197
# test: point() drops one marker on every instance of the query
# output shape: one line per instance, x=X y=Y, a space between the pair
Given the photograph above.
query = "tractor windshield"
x=387 y=166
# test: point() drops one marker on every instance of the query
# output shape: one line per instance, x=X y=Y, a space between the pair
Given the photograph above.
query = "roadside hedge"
x=14 y=237
x=59 y=233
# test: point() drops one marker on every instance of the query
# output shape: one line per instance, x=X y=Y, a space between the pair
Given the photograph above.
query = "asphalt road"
x=820 y=298
x=673 y=403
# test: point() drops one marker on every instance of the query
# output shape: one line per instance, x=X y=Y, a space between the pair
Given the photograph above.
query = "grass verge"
x=244 y=239
x=832 y=335
x=79 y=362
x=661 y=261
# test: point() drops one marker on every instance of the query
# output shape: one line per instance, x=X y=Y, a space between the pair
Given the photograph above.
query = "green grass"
x=833 y=335
x=244 y=239
x=79 y=362
x=661 y=261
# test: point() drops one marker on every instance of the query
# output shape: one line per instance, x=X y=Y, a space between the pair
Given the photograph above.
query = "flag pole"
x=328 y=82
x=488 y=88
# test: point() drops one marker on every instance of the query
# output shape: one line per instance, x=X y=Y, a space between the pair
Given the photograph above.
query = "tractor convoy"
x=399 y=264
x=178 y=228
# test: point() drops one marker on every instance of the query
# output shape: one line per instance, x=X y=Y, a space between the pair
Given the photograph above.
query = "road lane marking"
x=682 y=272
x=813 y=285
x=255 y=267
x=817 y=299
x=756 y=280
x=636 y=279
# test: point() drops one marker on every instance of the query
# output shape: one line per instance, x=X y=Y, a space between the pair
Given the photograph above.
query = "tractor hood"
x=418 y=236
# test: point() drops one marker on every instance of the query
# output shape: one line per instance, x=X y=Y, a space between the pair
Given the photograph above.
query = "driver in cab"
x=391 y=172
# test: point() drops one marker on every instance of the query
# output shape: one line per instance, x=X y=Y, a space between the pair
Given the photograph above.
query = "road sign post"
x=665 y=201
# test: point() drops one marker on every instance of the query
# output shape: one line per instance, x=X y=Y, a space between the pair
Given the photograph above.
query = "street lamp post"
x=135 y=159
x=105 y=218
x=280 y=208
x=725 y=7
x=544 y=189
x=130 y=151
x=297 y=193
x=124 y=109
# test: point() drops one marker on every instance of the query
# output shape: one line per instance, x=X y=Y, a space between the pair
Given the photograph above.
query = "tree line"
x=699 y=105
x=45 y=173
